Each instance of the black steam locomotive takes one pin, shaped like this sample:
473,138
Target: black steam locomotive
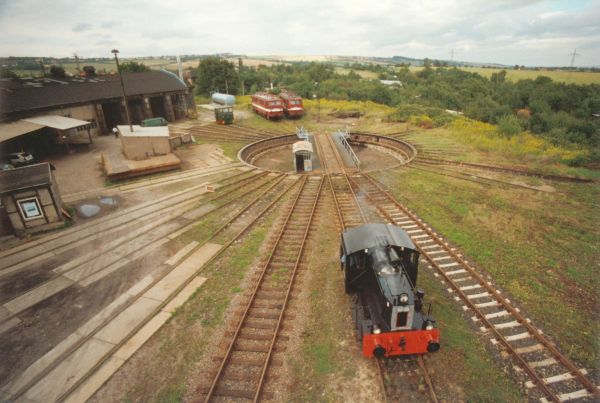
380,265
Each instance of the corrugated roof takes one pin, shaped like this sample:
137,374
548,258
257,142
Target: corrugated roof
19,95
18,128
57,122
25,177
302,146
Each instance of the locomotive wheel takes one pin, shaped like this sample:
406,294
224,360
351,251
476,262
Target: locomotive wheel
379,351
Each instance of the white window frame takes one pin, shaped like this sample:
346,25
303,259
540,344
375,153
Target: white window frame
37,204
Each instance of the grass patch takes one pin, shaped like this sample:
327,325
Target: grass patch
524,147
540,247
330,366
188,335
329,357
472,365
569,77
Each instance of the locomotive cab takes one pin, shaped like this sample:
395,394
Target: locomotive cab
380,265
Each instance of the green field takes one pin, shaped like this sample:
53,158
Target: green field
569,77
574,77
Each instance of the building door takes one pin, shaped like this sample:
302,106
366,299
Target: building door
157,105
112,115
299,163
136,111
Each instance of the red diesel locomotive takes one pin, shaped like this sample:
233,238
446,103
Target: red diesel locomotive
292,104
380,267
267,105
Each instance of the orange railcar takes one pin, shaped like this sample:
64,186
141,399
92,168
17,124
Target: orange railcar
292,104
267,105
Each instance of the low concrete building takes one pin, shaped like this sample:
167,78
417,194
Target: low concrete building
144,142
31,199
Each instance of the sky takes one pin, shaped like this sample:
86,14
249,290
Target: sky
524,32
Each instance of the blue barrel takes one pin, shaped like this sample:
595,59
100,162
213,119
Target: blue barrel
223,99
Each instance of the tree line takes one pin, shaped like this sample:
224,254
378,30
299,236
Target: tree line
562,113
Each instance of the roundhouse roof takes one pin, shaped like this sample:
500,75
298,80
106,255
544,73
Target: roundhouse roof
20,95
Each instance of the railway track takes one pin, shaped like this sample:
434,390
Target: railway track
437,160
348,209
399,377
550,372
414,383
244,368
37,378
38,249
89,267
230,133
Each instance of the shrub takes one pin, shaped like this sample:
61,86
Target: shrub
524,145
508,125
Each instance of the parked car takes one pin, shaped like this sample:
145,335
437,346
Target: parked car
21,158
5,167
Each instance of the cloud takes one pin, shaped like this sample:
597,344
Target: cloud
83,26
110,24
533,32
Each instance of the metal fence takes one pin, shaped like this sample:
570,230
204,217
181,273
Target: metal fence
302,133
343,136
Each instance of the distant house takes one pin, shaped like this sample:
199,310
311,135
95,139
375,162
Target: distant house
395,83
95,100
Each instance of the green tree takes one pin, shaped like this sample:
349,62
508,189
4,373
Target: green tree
353,75
215,74
7,73
134,67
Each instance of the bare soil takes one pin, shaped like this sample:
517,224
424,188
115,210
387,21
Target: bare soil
371,159
277,159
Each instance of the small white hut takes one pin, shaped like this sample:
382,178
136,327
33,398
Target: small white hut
303,152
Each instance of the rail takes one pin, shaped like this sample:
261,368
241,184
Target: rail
459,265
296,209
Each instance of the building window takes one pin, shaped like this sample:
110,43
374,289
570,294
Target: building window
30,208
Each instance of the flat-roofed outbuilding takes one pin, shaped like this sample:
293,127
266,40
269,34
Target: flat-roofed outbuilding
30,199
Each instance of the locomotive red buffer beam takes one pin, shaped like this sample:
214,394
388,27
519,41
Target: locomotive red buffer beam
401,343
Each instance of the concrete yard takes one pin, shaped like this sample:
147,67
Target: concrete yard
82,297
57,289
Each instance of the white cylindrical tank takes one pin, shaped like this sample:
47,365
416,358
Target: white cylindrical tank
223,99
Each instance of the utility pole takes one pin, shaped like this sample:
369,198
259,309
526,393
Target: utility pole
115,51
573,56
77,61
452,56
240,69
41,62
